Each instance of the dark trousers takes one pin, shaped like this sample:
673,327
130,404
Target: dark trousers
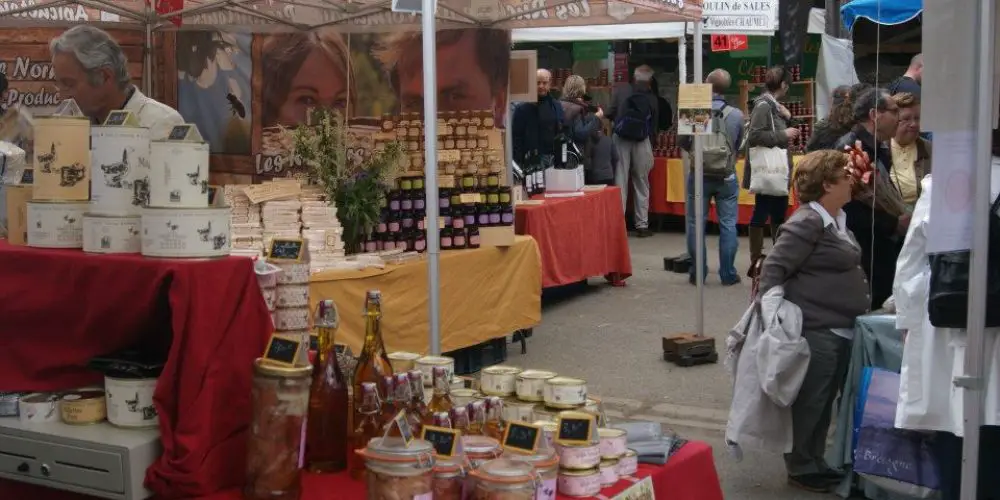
948,451
767,207
813,407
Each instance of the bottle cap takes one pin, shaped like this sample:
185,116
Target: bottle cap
326,314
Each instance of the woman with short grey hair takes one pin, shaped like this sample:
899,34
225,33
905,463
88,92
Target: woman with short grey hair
818,263
582,125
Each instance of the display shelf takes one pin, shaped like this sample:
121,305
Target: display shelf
808,88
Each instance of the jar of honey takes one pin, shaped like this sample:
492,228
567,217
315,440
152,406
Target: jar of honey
472,235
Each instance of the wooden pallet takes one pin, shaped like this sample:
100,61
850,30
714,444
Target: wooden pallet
689,350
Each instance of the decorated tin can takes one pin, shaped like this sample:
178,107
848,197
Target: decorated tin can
62,158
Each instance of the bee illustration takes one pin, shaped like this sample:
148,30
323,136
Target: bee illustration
206,232
171,226
218,241
38,224
48,159
193,176
204,188
236,106
68,219
114,172
71,175
175,196
133,231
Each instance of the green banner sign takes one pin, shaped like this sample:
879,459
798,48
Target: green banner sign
590,51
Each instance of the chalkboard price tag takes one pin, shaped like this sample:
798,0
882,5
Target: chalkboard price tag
282,351
521,437
445,441
405,431
286,249
575,428
119,118
28,176
186,132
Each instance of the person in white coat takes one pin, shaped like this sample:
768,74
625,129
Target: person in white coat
932,357
91,68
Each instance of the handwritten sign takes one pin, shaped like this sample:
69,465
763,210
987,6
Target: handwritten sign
272,191
179,133
28,176
119,118
403,425
522,437
575,428
445,441
282,350
286,249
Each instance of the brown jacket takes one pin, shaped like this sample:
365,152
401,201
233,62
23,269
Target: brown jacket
922,167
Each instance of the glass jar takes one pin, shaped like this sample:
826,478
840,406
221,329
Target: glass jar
507,216
505,479
446,238
446,217
380,242
470,215
280,399
370,244
458,220
482,216
458,238
444,198
398,471
406,202
472,237
505,197
418,183
449,480
421,244
480,449
494,215
492,196
546,464
405,183
456,197
468,182
419,201
395,198
493,180
394,223
406,220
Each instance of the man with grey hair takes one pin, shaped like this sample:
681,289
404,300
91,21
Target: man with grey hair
535,127
910,81
91,68
634,112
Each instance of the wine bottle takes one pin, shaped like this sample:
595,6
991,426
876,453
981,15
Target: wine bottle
441,400
373,362
326,425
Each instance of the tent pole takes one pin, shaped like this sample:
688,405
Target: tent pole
429,38
147,55
682,54
973,382
698,258
508,141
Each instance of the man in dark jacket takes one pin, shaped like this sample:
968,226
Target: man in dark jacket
535,126
879,232
634,113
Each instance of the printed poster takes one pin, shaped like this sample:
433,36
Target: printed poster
694,109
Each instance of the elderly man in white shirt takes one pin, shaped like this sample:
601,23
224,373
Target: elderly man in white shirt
91,68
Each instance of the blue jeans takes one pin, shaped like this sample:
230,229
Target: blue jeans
725,193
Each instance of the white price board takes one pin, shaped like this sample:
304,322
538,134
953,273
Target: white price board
740,17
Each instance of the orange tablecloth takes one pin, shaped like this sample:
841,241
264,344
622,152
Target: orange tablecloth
689,475
667,190
578,237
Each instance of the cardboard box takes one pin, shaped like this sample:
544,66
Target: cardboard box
17,214
559,180
497,236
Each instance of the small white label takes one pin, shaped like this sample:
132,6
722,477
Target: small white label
547,490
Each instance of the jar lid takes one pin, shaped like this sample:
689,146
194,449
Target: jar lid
609,462
565,381
465,393
480,445
547,425
502,370
536,374
448,466
630,453
262,367
506,471
394,449
579,472
607,432
543,458
435,360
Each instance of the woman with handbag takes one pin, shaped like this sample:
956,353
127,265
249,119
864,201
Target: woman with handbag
768,165
817,261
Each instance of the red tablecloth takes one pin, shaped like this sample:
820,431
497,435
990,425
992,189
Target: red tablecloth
59,308
578,237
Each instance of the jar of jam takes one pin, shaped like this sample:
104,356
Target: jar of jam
405,183
444,198
446,240
482,216
468,182
382,226
395,196
494,215
493,179
472,235
458,238
488,119
418,183
507,215
420,244
505,197
411,241
406,221
418,199
394,225
370,245
470,215
406,202
492,196
387,124
421,225
483,141
458,220
456,197
383,203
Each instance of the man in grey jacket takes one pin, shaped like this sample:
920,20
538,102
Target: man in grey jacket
634,112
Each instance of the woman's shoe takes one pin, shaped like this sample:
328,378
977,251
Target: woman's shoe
815,483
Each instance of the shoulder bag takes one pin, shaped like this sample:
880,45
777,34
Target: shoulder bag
768,166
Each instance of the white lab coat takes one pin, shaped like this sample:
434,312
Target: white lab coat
932,357
155,115
768,364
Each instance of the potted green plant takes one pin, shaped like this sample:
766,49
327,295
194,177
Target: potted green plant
357,188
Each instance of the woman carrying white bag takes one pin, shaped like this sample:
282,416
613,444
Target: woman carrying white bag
768,166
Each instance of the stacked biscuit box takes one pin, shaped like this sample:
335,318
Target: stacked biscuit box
281,220
248,233
321,229
291,301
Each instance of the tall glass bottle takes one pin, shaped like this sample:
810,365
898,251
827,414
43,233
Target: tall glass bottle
441,400
373,362
460,419
389,404
418,406
367,427
405,400
327,424
494,418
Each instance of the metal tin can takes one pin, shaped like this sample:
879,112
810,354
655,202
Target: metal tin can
530,384
499,380
565,392
580,483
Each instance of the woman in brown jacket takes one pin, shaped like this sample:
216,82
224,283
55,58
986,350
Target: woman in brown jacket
911,154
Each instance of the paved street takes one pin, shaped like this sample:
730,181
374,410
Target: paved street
612,338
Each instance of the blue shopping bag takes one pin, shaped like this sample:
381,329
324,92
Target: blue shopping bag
881,450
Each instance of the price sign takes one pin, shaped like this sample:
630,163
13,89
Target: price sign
720,43
286,249
179,133
521,437
400,422
119,118
445,441
282,350
575,428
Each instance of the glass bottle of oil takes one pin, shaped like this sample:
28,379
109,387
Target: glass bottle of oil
494,418
373,362
418,406
327,425
441,400
367,427
460,419
477,418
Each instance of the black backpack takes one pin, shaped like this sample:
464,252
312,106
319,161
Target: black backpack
635,122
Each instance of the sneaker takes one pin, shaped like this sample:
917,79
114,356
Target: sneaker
643,233
815,483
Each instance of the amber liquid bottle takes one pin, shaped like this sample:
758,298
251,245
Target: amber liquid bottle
477,418
494,418
367,428
441,400
373,363
327,426
417,405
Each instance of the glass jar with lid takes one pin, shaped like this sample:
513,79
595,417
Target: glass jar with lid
395,470
280,401
505,479
546,464
480,449
449,479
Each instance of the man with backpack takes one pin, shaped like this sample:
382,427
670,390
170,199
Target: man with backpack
634,113
719,151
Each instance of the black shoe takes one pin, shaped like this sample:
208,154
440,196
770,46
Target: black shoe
643,233
815,483
736,281
833,476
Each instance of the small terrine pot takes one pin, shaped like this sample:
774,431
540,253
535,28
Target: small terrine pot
580,483
614,442
499,380
565,392
579,457
530,384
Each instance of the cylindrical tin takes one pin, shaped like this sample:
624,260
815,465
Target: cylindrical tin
294,318
580,483
62,158
499,380
565,392
462,397
609,472
130,401
185,232
292,273
55,225
83,407
179,174
515,410
403,362
614,442
530,384
427,363
292,296
628,464
579,457
38,407
119,184
112,234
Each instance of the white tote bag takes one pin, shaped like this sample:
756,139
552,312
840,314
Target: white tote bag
768,168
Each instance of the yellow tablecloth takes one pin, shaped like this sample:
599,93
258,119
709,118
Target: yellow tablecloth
675,182
485,293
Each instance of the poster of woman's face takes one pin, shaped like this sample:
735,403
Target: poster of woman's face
303,71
